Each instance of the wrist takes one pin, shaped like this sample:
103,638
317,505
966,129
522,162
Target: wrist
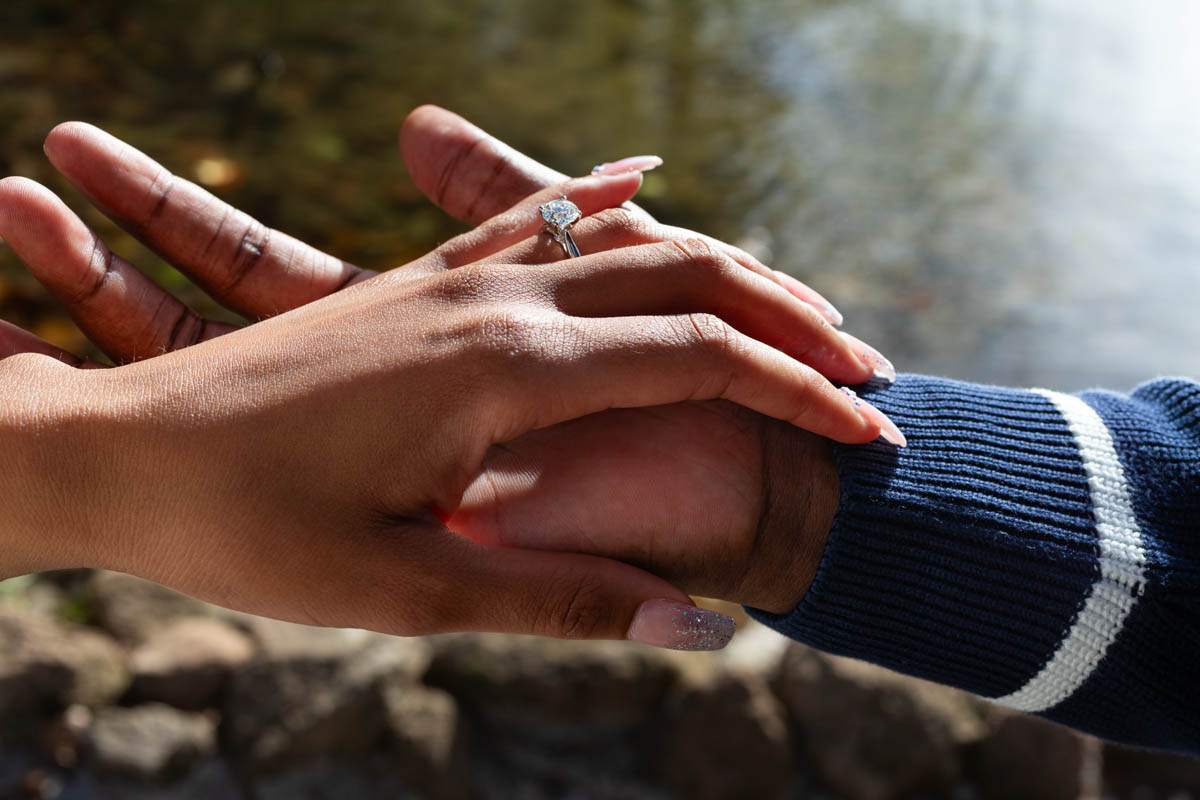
48,470
800,499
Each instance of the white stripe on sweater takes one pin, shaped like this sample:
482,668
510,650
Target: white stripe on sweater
1122,562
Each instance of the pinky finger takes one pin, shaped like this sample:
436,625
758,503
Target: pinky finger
126,314
802,291
634,362
799,290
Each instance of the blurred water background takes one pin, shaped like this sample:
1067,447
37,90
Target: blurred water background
998,190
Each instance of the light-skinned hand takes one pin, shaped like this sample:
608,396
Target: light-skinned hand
547,344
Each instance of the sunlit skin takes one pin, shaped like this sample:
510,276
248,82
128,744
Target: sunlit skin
682,490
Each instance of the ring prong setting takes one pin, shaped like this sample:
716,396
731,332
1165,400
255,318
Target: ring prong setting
559,215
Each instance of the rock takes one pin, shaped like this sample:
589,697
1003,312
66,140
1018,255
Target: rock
45,667
727,739
874,734
211,779
329,779
130,608
755,650
28,593
188,662
1027,757
43,784
150,742
1150,774
426,746
277,640
558,713
103,672
559,686
14,766
318,695
498,781
61,738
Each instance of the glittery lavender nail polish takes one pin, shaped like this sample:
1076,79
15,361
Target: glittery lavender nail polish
679,626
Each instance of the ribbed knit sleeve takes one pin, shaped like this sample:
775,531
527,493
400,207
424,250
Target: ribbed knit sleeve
1035,548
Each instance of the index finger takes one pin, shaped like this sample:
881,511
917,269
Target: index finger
467,172
473,176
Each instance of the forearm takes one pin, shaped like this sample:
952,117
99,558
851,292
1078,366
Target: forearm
1036,549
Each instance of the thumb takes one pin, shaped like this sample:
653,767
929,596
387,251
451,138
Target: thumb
572,596
436,581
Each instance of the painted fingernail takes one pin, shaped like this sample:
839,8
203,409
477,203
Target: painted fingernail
870,413
810,296
631,164
872,358
828,311
679,626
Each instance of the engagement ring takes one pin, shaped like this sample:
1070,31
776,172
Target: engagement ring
560,215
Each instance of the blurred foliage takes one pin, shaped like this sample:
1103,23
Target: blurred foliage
290,110
14,588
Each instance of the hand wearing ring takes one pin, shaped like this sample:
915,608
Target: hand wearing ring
560,215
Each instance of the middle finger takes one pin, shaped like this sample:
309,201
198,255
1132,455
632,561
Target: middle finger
691,276
619,226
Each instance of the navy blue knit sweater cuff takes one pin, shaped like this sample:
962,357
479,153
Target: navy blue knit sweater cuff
963,557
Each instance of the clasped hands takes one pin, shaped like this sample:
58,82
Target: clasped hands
487,438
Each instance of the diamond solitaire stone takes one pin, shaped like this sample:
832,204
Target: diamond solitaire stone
560,213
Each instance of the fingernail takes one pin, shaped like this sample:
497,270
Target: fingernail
829,312
631,164
872,358
679,626
810,296
870,413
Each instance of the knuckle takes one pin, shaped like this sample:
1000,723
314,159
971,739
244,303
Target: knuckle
805,401
209,254
802,407
161,187
489,283
698,251
619,219
101,266
518,349
711,264
577,611
187,330
249,251
516,337
458,287
713,336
